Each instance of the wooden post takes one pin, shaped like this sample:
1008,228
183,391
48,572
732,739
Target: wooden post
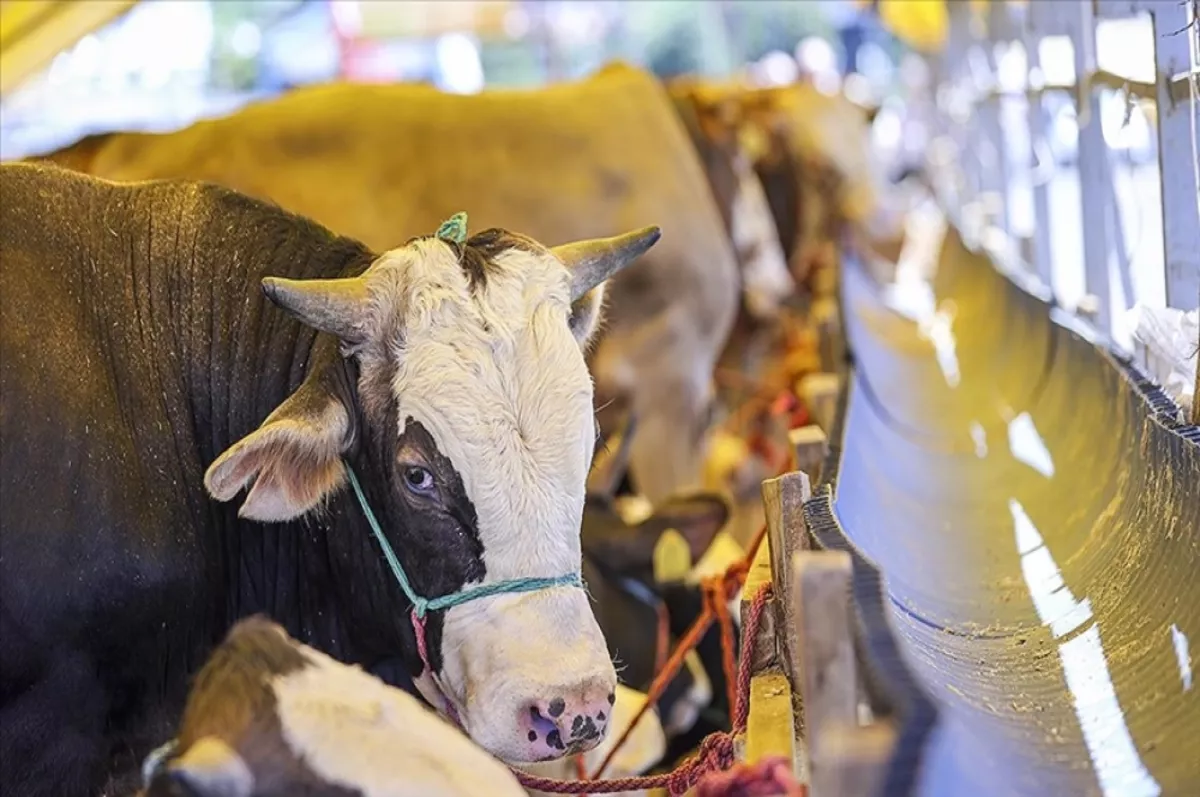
771,723
819,392
1196,393
783,498
764,650
851,761
810,446
828,675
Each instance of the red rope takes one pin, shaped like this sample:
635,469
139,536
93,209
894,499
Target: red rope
771,777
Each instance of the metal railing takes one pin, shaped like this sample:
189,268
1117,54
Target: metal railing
976,111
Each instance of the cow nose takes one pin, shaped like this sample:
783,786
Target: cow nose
565,725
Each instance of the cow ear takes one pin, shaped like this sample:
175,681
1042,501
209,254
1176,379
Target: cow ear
586,313
294,459
209,768
697,516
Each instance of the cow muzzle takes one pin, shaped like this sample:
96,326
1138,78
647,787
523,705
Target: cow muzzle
530,674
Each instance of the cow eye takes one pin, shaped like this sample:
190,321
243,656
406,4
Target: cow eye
418,480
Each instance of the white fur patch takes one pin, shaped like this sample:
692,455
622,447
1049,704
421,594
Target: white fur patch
354,730
687,709
500,383
766,280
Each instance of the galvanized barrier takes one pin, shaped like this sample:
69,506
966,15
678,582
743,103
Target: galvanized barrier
969,102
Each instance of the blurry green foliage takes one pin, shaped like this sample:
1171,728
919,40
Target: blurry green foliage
230,69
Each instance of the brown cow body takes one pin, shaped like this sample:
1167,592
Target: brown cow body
570,161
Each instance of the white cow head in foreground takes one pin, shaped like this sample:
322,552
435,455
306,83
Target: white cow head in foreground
269,717
460,396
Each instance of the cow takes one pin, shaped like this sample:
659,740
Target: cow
813,154
713,125
432,400
380,163
270,717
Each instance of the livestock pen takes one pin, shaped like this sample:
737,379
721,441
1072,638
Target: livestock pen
977,569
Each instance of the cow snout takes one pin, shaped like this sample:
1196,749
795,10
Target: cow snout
566,724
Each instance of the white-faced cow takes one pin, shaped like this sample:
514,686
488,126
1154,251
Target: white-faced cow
381,163
141,360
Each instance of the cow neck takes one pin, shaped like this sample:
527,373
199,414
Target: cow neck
246,357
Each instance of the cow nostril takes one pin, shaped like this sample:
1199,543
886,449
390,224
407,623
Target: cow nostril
584,728
539,724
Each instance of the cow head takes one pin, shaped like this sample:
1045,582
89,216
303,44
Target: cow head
465,407
824,141
270,717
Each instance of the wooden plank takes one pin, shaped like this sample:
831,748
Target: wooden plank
851,761
783,498
820,392
1196,397
828,674
764,651
810,446
770,726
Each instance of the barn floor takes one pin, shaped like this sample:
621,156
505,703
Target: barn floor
1036,515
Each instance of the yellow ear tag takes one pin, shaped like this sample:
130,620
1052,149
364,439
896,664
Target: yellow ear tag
672,557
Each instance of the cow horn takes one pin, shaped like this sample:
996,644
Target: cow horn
592,262
334,306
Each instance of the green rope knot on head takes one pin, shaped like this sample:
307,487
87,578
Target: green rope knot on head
423,605
454,228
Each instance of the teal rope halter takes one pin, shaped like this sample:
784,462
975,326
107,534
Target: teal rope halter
422,605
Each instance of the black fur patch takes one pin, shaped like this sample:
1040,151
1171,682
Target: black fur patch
478,254
436,537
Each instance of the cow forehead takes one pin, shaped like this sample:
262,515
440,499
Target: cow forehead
426,286
493,373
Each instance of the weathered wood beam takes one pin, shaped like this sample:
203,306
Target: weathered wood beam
810,446
764,649
828,672
784,498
